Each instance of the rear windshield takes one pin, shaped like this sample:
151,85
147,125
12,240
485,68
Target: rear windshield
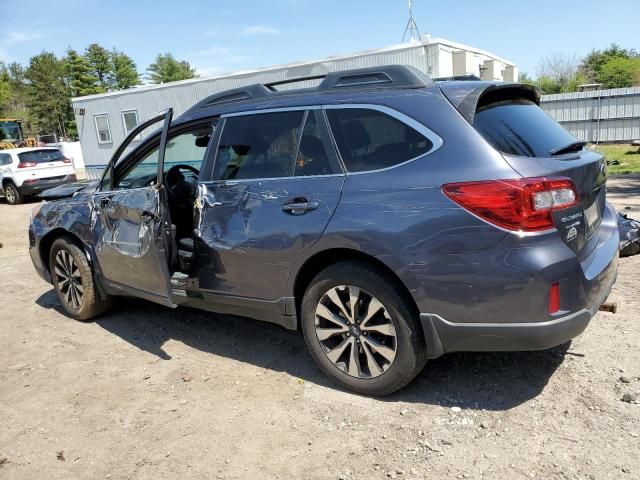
520,127
41,156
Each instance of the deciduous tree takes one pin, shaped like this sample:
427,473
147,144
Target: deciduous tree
47,94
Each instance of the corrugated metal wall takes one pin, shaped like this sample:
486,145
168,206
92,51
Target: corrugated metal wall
182,95
602,115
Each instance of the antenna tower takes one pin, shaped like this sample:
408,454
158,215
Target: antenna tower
412,26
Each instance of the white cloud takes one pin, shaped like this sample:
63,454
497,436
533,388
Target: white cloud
14,37
216,59
259,30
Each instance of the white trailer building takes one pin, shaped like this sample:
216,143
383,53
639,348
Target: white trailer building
104,120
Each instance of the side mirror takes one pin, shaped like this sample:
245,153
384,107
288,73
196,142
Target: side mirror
203,141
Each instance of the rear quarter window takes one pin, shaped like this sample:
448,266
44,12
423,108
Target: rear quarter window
370,140
41,156
520,127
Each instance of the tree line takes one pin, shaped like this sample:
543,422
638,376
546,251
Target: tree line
40,93
612,67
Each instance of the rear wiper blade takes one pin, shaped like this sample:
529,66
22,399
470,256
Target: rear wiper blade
572,147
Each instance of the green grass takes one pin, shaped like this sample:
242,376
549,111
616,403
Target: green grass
627,155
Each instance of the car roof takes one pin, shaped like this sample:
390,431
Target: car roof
27,149
336,86
365,85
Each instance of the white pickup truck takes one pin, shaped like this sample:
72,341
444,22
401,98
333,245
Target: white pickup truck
27,171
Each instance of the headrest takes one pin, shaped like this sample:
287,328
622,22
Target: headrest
311,146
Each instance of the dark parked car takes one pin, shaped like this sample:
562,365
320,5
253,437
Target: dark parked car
391,218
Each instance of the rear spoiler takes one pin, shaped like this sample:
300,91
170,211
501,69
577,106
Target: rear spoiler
468,96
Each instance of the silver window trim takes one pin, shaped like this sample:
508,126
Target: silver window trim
270,110
434,138
95,122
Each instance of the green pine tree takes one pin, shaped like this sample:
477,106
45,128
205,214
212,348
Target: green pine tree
168,69
78,75
99,61
125,73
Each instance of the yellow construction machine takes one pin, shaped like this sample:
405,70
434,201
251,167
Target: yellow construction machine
12,136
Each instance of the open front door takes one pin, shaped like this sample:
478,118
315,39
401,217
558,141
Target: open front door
129,221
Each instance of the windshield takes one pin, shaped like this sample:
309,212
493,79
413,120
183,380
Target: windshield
41,156
520,127
10,130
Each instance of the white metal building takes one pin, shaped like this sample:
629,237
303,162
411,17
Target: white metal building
103,120
611,115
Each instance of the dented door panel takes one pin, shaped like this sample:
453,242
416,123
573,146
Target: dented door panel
129,241
247,241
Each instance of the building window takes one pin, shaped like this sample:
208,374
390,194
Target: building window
130,121
102,128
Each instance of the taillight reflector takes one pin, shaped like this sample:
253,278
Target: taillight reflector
66,160
554,298
523,204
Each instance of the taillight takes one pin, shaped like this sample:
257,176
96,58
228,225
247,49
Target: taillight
523,204
66,160
27,164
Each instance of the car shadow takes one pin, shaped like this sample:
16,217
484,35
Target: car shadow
491,381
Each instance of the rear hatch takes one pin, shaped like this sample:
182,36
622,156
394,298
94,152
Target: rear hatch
508,116
45,165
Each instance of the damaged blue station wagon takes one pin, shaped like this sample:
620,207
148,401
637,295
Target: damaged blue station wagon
389,217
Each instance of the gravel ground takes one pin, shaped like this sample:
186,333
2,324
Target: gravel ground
145,392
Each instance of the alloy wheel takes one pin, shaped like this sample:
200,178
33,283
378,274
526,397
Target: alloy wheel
10,194
68,279
356,331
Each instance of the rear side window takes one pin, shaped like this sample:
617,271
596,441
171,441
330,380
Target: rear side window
5,159
520,127
41,156
314,157
258,146
370,140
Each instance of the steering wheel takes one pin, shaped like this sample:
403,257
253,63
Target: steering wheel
182,192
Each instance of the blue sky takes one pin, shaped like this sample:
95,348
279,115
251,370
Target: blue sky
221,36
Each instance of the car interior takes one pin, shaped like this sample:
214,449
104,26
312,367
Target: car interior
184,155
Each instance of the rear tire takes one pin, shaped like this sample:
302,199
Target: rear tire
73,281
12,194
370,353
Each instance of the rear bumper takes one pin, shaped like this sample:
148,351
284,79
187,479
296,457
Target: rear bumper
443,336
44,184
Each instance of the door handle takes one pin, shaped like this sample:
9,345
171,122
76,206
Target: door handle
299,208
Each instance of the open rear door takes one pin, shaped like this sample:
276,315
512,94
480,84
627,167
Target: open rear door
131,231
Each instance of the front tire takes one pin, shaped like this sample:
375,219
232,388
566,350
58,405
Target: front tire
73,281
12,194
361,329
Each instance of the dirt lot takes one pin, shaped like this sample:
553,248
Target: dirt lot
146,393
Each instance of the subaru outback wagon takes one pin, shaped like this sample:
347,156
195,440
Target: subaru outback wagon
390,218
